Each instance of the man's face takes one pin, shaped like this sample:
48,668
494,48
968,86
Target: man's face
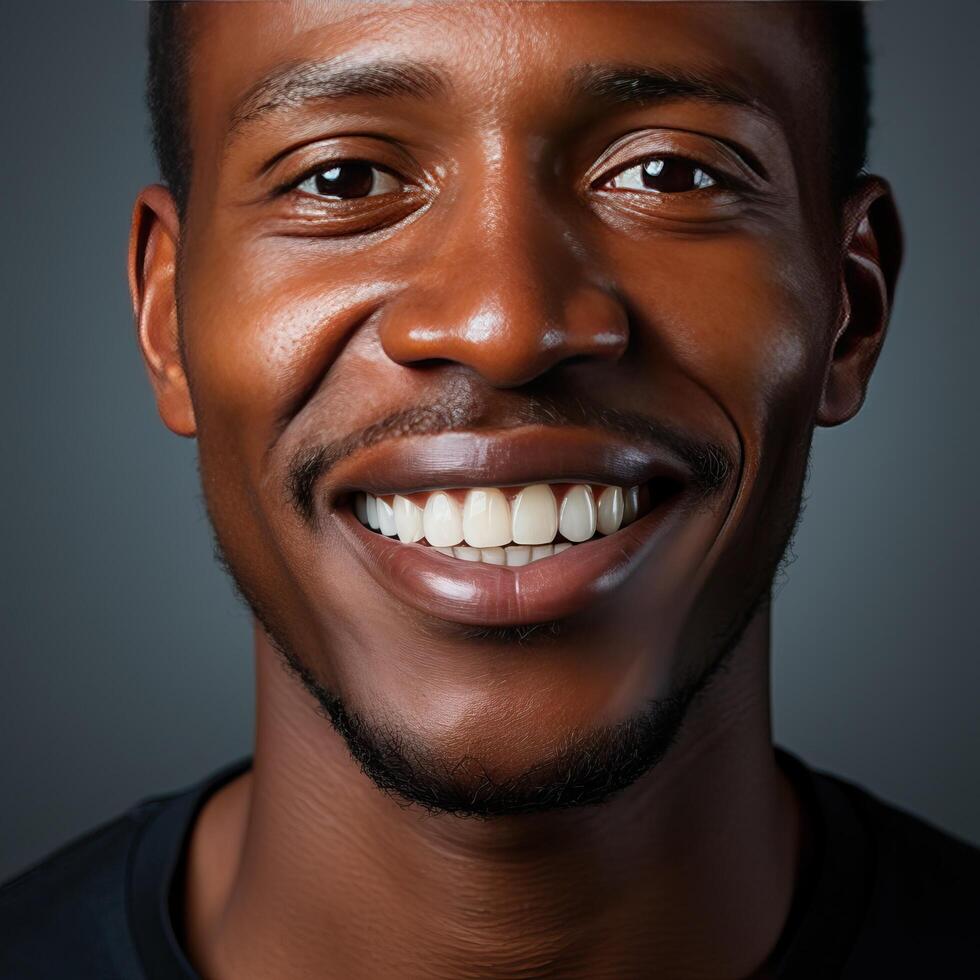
556,244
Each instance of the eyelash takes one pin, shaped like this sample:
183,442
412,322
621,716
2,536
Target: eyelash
708,176
716,180
330,164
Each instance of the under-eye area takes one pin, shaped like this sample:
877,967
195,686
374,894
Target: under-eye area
511,525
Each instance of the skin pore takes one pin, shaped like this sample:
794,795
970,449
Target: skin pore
516,300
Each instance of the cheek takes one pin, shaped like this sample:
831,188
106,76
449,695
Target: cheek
258,347
739,325
742,318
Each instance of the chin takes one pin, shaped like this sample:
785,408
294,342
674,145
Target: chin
508,757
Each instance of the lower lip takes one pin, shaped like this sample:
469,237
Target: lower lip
478,594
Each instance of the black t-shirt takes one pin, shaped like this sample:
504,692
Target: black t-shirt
887,895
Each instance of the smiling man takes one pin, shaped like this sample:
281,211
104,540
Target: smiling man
503,329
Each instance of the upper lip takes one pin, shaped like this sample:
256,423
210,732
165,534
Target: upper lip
502,457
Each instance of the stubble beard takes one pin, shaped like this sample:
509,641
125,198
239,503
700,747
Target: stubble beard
588,769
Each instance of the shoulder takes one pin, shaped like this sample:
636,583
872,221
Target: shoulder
924,894
66,915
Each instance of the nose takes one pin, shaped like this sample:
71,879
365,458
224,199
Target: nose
508,293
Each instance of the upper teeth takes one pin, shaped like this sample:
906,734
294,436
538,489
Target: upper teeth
491,518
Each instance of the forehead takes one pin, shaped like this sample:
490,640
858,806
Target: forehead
502,58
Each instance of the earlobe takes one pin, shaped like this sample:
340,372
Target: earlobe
871,255
153,240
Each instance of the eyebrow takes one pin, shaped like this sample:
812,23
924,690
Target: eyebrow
637,85
614,85
296,84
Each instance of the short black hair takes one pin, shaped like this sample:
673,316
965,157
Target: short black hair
844,37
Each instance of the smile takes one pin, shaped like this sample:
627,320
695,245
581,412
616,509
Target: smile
521,526
510,526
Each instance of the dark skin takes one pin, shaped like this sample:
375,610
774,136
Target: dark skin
500,264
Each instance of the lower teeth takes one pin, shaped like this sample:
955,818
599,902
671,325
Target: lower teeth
512,555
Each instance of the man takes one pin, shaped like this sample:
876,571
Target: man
503,329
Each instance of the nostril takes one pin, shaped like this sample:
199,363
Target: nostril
510,338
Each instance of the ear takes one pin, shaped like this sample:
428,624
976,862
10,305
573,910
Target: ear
153,240
871,254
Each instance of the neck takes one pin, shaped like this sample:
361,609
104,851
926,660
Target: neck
302,868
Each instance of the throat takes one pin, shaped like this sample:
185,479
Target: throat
306,870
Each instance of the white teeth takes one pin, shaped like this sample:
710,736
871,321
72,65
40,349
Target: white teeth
386,519
577,521
513,556
442,520
480,529
631,504
486,519
609,510
534,515
517,554
408,520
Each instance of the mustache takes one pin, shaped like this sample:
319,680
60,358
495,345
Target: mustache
710,464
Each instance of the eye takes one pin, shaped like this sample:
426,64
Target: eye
350,179
664,175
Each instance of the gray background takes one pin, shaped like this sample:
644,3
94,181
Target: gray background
126,665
